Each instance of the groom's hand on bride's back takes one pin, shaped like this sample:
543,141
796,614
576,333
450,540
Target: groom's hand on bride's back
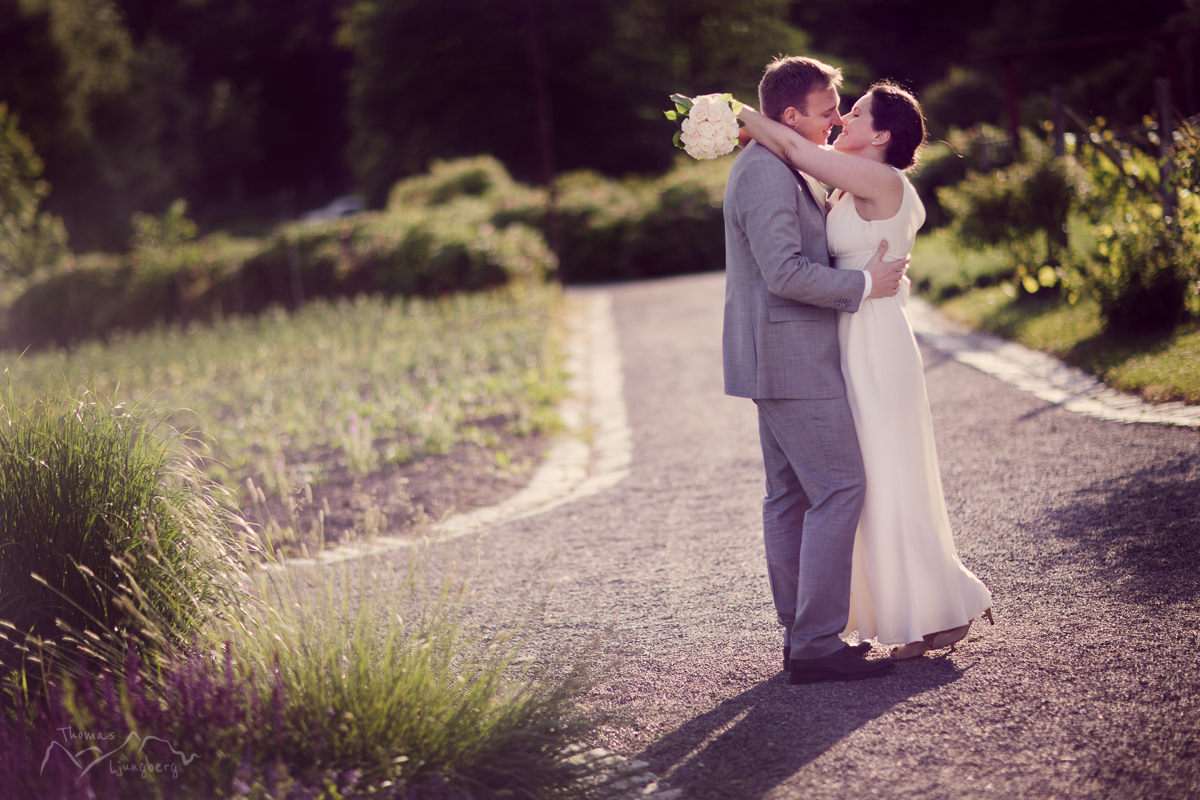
885,275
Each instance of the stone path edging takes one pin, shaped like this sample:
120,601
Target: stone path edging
593,455
1041,375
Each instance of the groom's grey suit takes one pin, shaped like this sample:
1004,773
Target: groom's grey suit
781,349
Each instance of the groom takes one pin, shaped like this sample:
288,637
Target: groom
781,349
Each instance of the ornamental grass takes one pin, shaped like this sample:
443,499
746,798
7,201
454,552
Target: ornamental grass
347,688
110,536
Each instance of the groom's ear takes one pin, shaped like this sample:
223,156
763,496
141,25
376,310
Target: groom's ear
790,115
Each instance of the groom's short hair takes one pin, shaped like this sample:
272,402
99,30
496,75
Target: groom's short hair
789,80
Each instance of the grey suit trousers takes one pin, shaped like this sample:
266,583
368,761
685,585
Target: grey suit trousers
780,348
815,489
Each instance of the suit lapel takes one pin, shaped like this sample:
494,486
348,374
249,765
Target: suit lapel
817,193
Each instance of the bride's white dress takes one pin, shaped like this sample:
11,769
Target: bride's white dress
907,579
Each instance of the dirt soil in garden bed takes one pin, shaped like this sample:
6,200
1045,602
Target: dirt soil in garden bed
401,499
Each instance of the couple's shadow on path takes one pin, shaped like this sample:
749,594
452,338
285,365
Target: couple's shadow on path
1144,526
751,743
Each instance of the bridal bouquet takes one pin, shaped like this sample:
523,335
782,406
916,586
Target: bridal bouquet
710,124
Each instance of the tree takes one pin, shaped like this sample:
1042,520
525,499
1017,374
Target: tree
940,47
444,78
238,105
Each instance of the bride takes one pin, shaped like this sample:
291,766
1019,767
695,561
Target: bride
908,587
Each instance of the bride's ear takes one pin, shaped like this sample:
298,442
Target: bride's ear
881,138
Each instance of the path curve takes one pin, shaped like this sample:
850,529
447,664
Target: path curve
1084,529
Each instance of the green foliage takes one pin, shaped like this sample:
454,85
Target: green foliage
963,99
1145,264
464,226
111,536
1140,276
482,177
442,95
437,237
947,162
135,102
164,233
634,228
1020,209
29,239
418,694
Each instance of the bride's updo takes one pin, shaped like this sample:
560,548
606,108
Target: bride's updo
895,110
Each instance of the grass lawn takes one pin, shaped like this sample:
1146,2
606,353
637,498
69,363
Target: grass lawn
1160,368
282,406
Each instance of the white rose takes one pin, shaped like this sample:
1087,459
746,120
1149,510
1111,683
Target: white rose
710,129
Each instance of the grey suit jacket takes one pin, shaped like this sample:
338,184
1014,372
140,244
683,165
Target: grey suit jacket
780,336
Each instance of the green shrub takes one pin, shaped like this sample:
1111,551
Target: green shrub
29,239
481,177
962,98
1139,276
1146,266
463,227
634,228
940,165
449,247
947,162
109,535
1020,210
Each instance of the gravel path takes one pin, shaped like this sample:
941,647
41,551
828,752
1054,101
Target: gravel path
1087,532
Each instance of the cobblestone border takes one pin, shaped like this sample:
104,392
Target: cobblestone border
593,455
614,777
1041,375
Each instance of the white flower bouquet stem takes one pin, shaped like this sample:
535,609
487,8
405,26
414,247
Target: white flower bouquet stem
710,124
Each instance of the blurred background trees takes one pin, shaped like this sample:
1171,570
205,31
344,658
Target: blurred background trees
255,110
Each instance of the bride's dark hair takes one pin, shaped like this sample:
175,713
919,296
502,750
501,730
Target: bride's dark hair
895,110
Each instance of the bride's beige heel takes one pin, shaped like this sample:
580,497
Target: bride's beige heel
943,639
911,650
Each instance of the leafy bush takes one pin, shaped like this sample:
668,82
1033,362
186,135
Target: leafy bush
962,98
464,226
947,162
1140,274
1020,210
481,177
110,537
1145,263
634,228
29,239
445,245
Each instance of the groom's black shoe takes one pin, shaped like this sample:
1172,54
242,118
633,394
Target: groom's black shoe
840,665
860,649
